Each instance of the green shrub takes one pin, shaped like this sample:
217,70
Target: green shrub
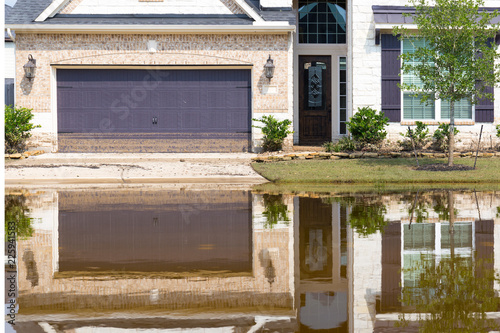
17,128
367,127
420,137
442,136
329,147
498,130
275,132
344,144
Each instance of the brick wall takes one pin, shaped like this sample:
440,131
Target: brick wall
51,50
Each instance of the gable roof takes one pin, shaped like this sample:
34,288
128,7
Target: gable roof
25,11
28,14
57,5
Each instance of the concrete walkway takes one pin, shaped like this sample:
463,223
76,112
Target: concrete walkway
59,168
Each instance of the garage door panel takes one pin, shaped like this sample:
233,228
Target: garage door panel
168,120
188,78
216,99
125,121
142,120
113,99
194,110
70,98
71,121
95,120
191,120
238,121
164,99
237,99
189,99
216,120
92,99
138,95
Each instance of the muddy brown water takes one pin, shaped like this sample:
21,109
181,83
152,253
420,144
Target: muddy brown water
233,260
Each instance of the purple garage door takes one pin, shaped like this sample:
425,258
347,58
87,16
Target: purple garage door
131,110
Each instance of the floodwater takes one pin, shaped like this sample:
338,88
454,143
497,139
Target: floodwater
237,260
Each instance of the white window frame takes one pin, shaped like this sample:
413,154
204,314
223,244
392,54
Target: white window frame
437,106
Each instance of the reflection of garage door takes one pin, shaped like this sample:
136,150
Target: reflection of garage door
128,110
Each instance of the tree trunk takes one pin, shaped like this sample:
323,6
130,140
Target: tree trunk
451,137
451,229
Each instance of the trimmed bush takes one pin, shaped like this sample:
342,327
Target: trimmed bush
442,136
275,132
17,128
344,144
420,136
367,127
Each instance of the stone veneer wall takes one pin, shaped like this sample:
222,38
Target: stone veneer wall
131,49
365,74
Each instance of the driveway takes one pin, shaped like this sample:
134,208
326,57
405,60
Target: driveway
60,168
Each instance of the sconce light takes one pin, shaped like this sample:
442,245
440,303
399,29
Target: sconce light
29,68
269,68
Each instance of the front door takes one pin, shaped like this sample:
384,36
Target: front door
315,100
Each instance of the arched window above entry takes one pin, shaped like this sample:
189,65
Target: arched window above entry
322,22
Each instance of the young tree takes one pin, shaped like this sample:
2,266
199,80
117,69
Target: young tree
458,53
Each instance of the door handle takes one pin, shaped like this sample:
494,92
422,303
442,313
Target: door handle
155,121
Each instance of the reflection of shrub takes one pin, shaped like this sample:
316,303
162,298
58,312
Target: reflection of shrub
17,212
17,128
275,210
367,214
367,127
368,219
419,134
275,132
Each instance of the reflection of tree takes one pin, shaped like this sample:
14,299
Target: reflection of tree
367,213
16,211
442,205
451,296
275,210
455,294
368,219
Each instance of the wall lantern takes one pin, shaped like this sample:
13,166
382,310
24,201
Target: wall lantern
269,68
29,68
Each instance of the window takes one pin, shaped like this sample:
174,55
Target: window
322,22
413,109
342,95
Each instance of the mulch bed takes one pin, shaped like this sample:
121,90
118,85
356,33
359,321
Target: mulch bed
444,167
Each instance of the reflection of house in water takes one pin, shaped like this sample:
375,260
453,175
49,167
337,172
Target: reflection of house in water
321,266
184,258
192,258
152,253
406,248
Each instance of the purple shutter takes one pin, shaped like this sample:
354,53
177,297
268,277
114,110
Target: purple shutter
391,94
484,107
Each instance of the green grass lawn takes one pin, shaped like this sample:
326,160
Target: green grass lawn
377,171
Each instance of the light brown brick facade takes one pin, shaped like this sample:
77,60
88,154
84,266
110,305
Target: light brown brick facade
53,50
